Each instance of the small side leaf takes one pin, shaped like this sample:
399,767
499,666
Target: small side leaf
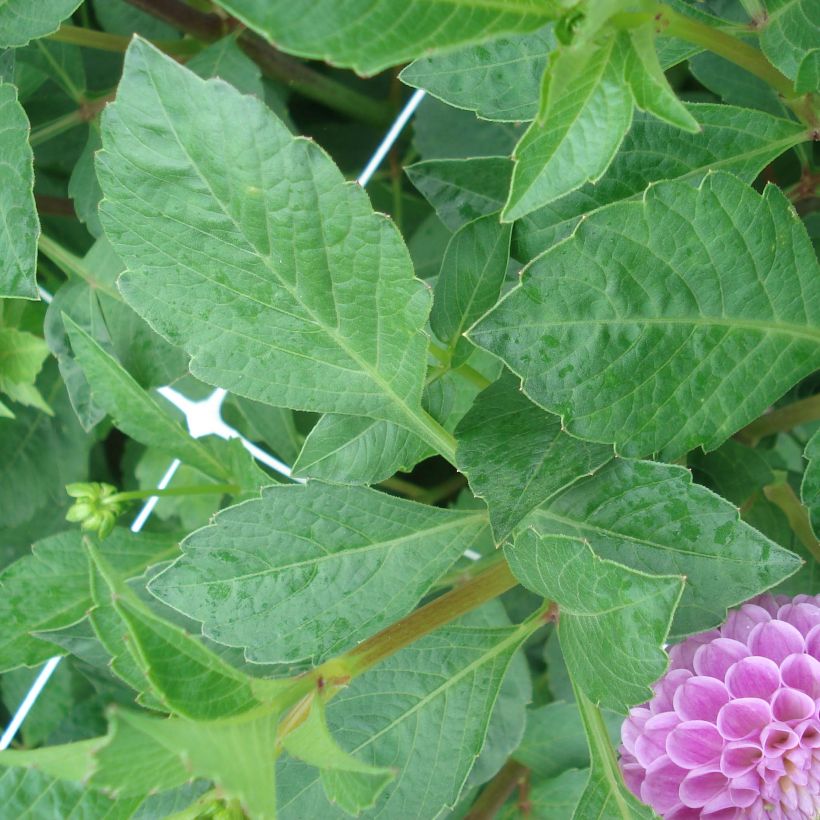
612,620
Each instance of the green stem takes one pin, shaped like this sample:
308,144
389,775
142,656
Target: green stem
464,370
784,497
441,491
442,441
72,265
781,420
337,672
197,489
103,41
52,129
405,488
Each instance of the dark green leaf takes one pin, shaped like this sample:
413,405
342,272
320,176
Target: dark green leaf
791,32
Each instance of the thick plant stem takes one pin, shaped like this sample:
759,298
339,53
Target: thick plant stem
72,265
784,497
85,113
337,672
496,792
287,70
198,489
781,420
103,41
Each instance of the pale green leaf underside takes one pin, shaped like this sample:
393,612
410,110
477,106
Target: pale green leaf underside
516,456
790,33
369,37
652,517
306,572
499,80
732,139
425,711
612,619
19,226
246,247
24,20
668,323
21,358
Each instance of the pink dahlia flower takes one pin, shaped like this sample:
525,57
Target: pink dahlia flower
733,729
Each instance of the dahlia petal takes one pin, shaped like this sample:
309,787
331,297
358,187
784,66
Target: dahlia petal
713,659
813,642
743,718
701,786
792,705
665,689
776,640
661,785
777,739
693,744
632,727
681,656
802,672
700,698
744,790
809,734
753,677
633,775
681,812
652,743
802,616
740,622
740,757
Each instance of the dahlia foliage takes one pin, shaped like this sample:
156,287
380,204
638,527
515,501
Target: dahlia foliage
733,728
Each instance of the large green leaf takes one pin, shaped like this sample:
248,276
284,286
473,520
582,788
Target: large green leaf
653,518
19,226
22,20
645,329
605,796
732,139
462,190
21,358
369,37
499,80
585,111
50,588
331,322
612,620
424,711
516,456
791,31
551,799
306,572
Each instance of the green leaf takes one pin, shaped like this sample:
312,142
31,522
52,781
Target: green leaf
330,323
605,796
810,488
736,140
652,517
613,620
734,471
190,679
49,589
21,358
20,21
553,799
650,88
226,60
19,226
499,80
470,280
83,186
425,711
516,456
585,111
462,190
347,781
791,32
640,341
807,80
275,426
343,33
555,739
140,416
29,794
278,575
61,62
